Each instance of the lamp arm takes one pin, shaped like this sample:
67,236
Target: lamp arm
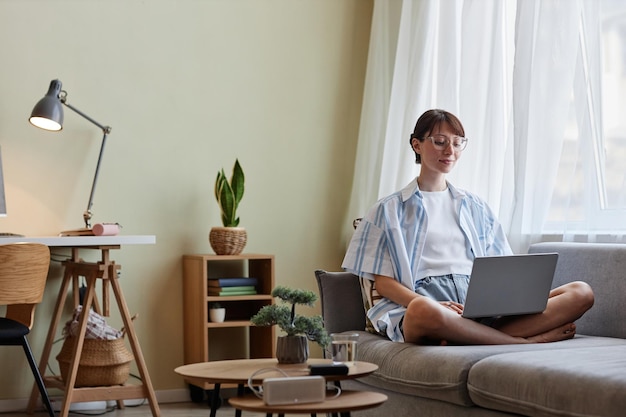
105,130
87,213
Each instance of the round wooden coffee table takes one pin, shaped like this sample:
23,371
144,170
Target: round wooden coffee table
346,402
238,372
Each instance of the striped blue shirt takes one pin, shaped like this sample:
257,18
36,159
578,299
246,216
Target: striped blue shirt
390,239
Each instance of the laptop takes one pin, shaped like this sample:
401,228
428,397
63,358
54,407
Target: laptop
509,285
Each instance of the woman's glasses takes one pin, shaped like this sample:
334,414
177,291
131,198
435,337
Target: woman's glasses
441,142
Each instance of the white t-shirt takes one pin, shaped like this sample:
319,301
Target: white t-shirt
445,250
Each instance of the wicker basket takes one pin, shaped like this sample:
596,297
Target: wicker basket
102,362
228,240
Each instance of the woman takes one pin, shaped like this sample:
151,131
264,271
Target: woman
418,245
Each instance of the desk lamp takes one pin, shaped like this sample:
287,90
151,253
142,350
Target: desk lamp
48,114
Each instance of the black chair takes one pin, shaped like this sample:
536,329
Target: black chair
23,274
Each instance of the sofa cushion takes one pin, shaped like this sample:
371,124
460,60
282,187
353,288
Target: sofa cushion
559,382
441,372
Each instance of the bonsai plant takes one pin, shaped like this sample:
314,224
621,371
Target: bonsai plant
230,239
293,346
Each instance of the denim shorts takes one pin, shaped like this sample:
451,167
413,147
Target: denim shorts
451,287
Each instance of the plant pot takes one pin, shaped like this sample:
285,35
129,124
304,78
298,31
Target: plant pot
228,240
292,349
217,314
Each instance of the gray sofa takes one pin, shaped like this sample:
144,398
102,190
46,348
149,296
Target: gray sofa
584,376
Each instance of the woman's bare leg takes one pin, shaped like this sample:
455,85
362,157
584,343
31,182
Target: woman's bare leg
566,304
427,319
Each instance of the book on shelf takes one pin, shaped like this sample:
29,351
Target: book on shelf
232,282
217,292
246,288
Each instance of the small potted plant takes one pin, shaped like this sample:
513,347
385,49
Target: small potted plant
216,312
293,346
229,239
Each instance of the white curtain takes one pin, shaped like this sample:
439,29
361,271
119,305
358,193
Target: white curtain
454,55
546,49
375,109
508,69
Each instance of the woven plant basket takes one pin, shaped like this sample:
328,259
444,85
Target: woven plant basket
102,362
228,240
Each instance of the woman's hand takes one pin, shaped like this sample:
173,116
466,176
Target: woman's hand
451,305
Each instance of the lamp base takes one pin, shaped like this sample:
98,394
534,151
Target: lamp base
78,232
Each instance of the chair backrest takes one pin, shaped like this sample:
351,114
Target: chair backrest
341,301
23,273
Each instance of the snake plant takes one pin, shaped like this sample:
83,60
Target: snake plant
229,194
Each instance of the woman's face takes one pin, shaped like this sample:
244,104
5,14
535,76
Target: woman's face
437,159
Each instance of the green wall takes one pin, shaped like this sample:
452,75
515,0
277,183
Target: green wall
188,86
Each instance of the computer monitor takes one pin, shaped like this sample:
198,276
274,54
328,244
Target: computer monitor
3,201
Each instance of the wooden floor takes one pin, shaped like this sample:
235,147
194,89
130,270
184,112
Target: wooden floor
187,409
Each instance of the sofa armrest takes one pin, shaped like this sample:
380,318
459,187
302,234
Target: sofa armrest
603,267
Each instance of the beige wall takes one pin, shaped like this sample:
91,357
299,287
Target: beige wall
188,86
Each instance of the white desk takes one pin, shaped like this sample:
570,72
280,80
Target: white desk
83,241
106,270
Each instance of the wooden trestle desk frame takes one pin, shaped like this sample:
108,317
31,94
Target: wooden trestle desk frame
106,270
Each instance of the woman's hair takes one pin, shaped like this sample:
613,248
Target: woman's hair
429,122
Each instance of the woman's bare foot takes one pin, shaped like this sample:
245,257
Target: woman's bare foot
564,332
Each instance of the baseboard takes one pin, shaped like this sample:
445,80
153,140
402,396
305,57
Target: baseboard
163,397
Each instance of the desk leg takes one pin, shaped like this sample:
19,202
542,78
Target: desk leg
134,342
78,346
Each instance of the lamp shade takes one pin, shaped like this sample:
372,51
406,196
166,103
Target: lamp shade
48,112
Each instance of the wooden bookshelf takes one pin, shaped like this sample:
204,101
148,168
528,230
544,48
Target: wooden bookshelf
236,337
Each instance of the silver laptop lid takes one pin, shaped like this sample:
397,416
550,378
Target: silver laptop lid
510,285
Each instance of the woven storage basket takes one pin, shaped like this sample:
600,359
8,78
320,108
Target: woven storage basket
228,240
102,362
